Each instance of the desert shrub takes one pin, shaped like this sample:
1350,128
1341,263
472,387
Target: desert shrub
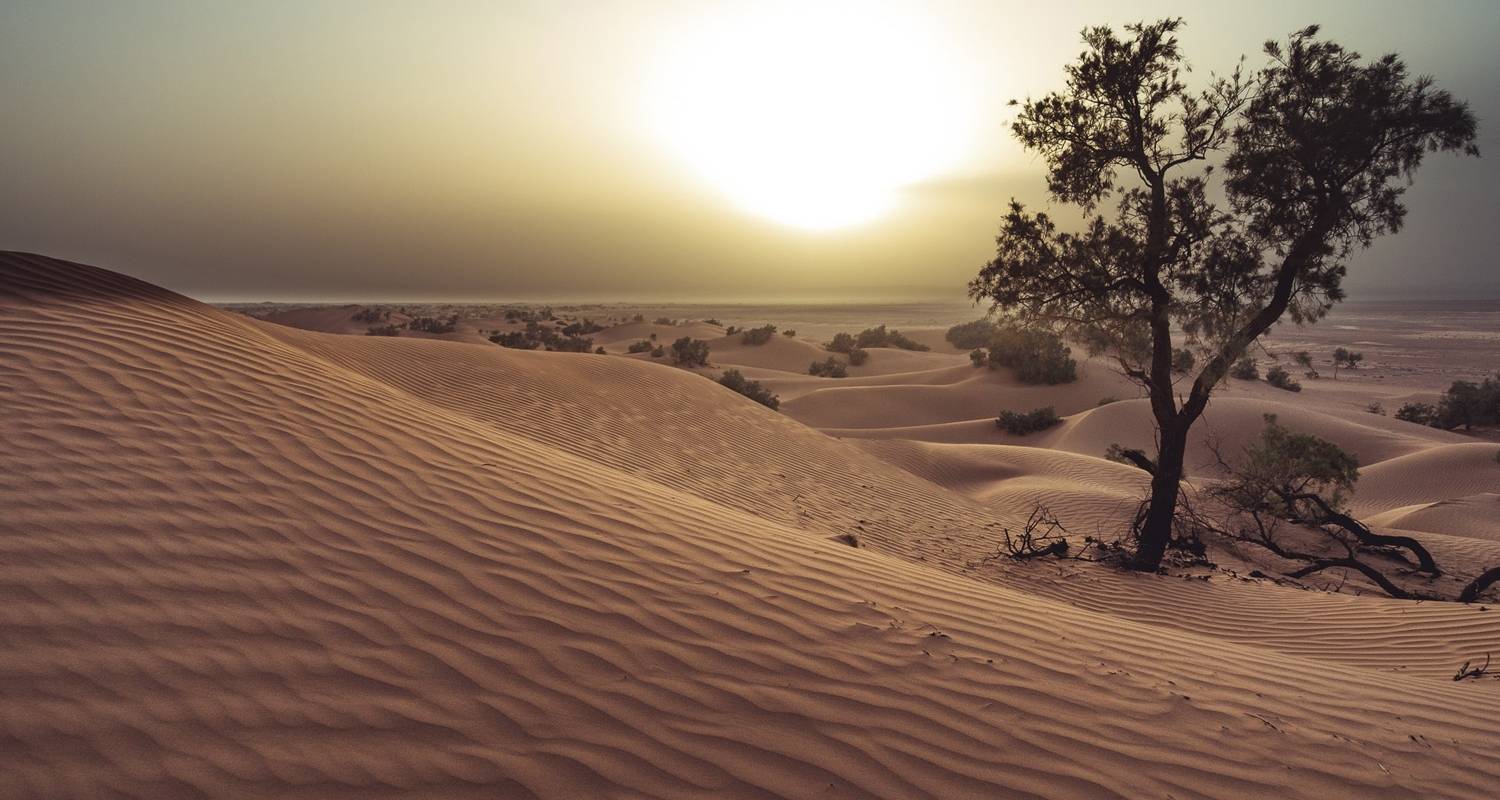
1376,408
1280,468
383,330
832,368
1420,413
971,335
638,318
880,337
569,344
1183,360
599,351
1467,404
1245,369
1281,379
433,324
690,352
858,357
371,315
731,330
734,380
789,333
758,336
658,351
842,343
978,356
581,328
639,347
665,321
711,321
517,340
1020,424
1304,360
1345,358
1037,356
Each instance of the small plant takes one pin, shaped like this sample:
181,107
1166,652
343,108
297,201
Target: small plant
658,351
789,333
599,351
1375,408
1041,535
858,357
1281,379
690,352
1245,369
639,347
758,336
978,356
731,330
1020,424
1183,361
1420,413
831,368
1346,359
734,380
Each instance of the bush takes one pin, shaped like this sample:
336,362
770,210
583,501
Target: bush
789,333
516,340
658,351
1345,358
1019,424
638,318
1183,361
832,368
971,335
1304,360
734,380
666,321
1281,379
1245,369
711,321
880,337
639,347
569,344
433,324
731,330
842,343
581,328
690,352
858,357
1467,404
383,330
1376,408
758,336
599,351
371,315
1038,357
1420,413
978,356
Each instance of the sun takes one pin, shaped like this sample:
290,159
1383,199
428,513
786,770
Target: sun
814,117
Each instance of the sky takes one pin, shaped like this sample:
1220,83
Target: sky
631,151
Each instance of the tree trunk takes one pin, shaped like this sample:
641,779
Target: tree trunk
1166,482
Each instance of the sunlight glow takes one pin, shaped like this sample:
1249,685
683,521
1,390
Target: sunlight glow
814,117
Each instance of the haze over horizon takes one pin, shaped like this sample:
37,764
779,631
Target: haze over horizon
623,151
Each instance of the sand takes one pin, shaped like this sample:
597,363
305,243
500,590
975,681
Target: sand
246,560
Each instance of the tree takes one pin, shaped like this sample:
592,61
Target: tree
1304,360
1348,359
690,352
1314,145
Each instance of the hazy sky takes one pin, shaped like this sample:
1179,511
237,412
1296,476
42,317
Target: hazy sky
627,150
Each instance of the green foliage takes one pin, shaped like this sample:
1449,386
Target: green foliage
1245,369
1037,356
880,337
1020,424
971,335
842,343
758,336
1281,379
690,352
831,368
736,381
1282,464
1420,413
1183,361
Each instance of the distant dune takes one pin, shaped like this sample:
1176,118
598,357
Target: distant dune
242,559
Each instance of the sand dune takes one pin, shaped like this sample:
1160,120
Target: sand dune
242,560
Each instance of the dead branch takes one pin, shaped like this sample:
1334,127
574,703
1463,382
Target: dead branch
1467,671
1478,585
